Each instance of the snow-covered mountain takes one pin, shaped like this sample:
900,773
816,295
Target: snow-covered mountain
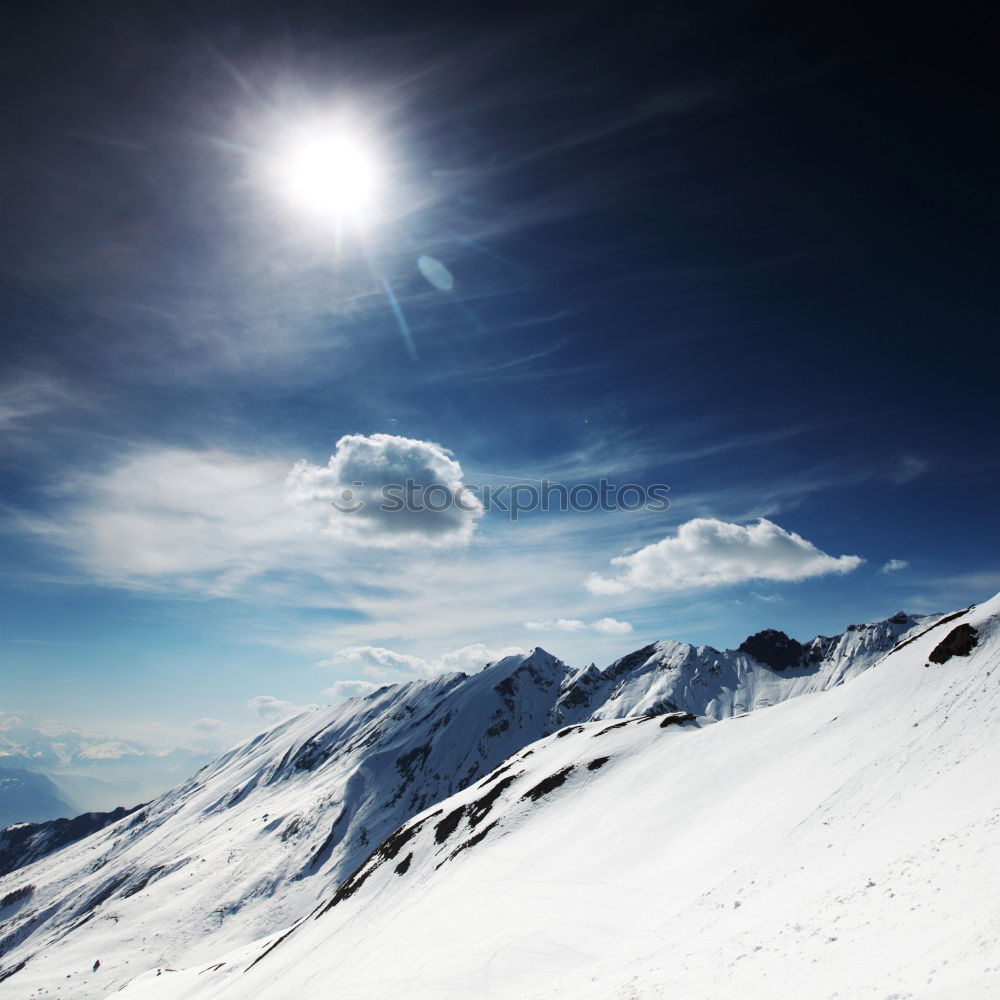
841,845
23,843
260,837
674,676
29,797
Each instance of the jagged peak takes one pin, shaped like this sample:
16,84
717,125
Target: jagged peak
773,648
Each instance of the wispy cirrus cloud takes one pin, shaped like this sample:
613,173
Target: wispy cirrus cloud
29,396
212,520
906,468
207,725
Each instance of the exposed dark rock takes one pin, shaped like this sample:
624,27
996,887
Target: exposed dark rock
774,648
625,722
937,624
446,827
310,756
20,845
676,719
411,761
548,784
292,828
478,810
630,662
960,641
575,697
404,866
18,894
615,725
493,775
494,731
104,893
143,881
597,762
386,851
471,842
7,973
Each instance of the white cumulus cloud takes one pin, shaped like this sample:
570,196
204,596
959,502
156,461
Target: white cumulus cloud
558,625
340,691
612,626
894,565
471,658
377,661
609,626
274,709
387,664
706,552
390,491
213,520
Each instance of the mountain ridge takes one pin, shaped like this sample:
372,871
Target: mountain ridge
739,870
257,837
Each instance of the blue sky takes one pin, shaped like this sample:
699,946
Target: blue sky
743,256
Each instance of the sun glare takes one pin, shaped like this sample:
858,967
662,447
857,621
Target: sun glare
332,175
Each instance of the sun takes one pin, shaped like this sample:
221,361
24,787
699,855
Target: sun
330,174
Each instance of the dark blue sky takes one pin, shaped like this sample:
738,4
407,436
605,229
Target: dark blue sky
744,251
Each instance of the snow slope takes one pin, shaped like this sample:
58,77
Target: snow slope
254,840
22,843
842,844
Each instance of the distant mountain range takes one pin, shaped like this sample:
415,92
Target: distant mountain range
29,797
274,828
49,770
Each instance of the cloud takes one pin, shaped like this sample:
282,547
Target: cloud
894,565
609,626
906,468
274,709
377,661
473,657
30,396
340,691
707,552
207,725
368,481
559,625
387,664
213,519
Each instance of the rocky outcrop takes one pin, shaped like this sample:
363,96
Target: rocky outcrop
777,650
